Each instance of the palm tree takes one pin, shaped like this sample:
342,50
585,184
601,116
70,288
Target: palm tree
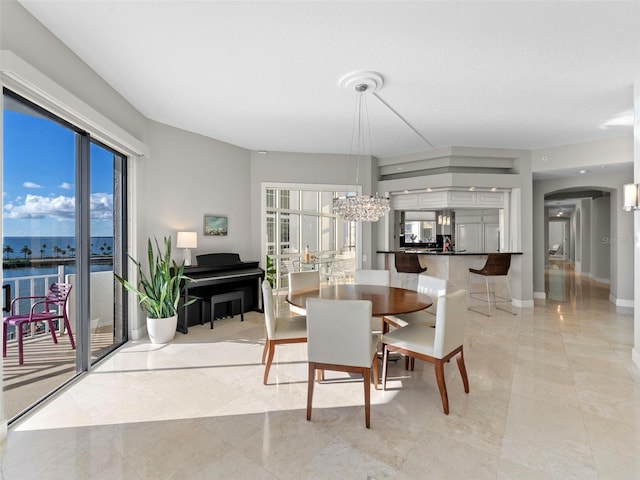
26,250
56,250
7,250
44,249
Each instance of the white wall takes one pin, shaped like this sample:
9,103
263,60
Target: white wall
600,239
585,236
188,176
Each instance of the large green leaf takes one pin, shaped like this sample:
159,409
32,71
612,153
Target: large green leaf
158,290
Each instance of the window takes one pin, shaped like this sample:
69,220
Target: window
303,218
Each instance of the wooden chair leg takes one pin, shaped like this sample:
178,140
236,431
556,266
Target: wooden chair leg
265,350
442,386
310,382
367,397
385,365
375,370
463,371
272,348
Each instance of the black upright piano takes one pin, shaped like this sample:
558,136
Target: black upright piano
217,273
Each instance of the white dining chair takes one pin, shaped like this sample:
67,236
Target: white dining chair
280,330
433,287
302,281
372,277
340,338
435,345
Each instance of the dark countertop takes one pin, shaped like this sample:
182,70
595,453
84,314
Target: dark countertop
438,252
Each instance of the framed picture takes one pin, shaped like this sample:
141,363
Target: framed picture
215,225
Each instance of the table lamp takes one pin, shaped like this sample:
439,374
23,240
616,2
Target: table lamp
187,240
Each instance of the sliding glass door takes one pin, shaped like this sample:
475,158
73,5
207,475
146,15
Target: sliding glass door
52,172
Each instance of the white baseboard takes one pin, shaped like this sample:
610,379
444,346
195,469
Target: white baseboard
635,356
540,295
522,303
139,333
601,280
621,302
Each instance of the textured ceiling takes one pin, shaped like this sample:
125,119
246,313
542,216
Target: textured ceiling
264,75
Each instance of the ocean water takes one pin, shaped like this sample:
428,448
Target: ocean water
42,247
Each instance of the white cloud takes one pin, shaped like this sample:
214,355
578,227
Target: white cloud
66,186
28,184
101,206
60,207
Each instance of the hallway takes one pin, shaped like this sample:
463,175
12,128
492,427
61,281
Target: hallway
553,395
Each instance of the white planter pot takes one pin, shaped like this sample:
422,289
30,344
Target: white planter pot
162,330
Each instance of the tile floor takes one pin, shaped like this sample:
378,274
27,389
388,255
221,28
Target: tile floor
554,395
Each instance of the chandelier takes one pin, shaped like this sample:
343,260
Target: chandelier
361,208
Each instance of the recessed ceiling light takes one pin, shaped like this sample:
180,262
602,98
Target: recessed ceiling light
471,189
582,171
493,189
406,191
262,152
428,189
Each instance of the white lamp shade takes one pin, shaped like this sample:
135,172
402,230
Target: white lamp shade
187,240
630,196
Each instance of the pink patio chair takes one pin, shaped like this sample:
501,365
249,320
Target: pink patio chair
44,309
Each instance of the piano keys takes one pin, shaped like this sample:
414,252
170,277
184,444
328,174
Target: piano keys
217,273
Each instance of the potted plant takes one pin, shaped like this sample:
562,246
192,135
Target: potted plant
159,291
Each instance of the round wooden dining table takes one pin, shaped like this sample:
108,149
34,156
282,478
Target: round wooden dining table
384,300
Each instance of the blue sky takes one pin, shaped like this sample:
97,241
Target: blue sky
39,179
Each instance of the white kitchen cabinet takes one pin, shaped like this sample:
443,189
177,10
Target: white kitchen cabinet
469,237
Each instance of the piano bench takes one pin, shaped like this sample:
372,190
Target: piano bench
226,297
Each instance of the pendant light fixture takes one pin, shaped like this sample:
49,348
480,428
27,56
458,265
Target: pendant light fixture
361,208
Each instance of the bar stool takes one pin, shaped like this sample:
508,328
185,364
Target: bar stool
497,265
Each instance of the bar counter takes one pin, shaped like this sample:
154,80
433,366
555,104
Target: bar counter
454,266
